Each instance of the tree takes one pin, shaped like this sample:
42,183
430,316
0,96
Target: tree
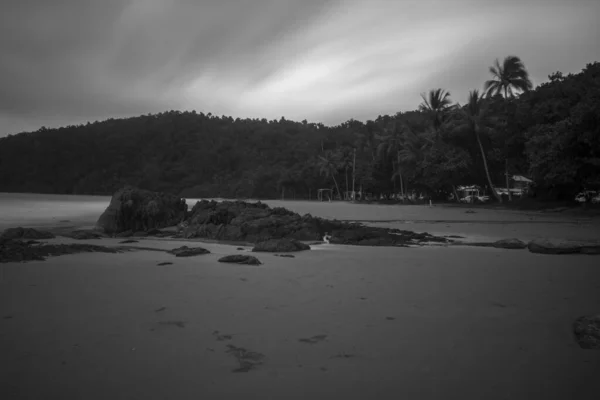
507,78
328,167
390,149
474,119
436,105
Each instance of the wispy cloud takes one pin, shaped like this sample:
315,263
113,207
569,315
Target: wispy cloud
328,61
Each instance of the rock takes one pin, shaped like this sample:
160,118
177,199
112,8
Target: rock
185,251
240,259
509,244
128,241
25,233
135,209
280,246
256,223
587,331
544,246
286,255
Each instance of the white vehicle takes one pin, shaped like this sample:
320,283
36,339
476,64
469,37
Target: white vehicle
596,199
583,197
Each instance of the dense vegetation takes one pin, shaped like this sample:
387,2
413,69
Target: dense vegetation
549,133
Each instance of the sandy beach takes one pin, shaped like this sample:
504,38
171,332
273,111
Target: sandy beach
336,322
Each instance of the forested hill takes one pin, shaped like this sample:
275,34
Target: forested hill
551,134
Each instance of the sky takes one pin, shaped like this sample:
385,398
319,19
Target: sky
66,62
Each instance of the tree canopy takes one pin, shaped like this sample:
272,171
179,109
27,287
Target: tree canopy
549,133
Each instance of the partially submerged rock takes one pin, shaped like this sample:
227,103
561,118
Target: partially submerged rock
280,246
133,209
25,233
587,331
240,259
545,246
185,251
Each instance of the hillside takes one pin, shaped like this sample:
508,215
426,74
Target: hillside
550,133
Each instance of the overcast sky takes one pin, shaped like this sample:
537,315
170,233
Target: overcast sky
69,61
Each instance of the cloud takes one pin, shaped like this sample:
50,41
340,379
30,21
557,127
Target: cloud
69,61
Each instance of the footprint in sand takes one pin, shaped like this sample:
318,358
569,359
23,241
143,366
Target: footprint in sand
221,337
313,340
248,360
179,324
160,309
390,318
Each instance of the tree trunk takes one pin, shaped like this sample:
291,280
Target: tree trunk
336,185
455,194
400,175
507,181
346,179
487,171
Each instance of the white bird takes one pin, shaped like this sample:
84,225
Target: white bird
326,238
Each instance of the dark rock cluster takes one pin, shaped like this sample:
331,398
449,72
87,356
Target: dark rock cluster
258,223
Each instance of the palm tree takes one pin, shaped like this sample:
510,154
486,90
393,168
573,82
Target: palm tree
474,120
390,147
507,78
436,105
328,167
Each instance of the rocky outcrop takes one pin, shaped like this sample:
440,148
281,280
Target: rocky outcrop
256,223
133,209
544,246
587,331
25,233
240,259
280,246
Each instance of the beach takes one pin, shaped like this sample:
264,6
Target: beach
335,322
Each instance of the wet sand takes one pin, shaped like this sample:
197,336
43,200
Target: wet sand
336,322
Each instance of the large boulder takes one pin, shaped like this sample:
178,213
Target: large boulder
133,209
280,246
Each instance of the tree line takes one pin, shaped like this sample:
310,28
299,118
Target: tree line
549,133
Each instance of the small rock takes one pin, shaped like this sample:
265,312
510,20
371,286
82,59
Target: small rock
280,245
510,244
185,251
129,241
240,259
